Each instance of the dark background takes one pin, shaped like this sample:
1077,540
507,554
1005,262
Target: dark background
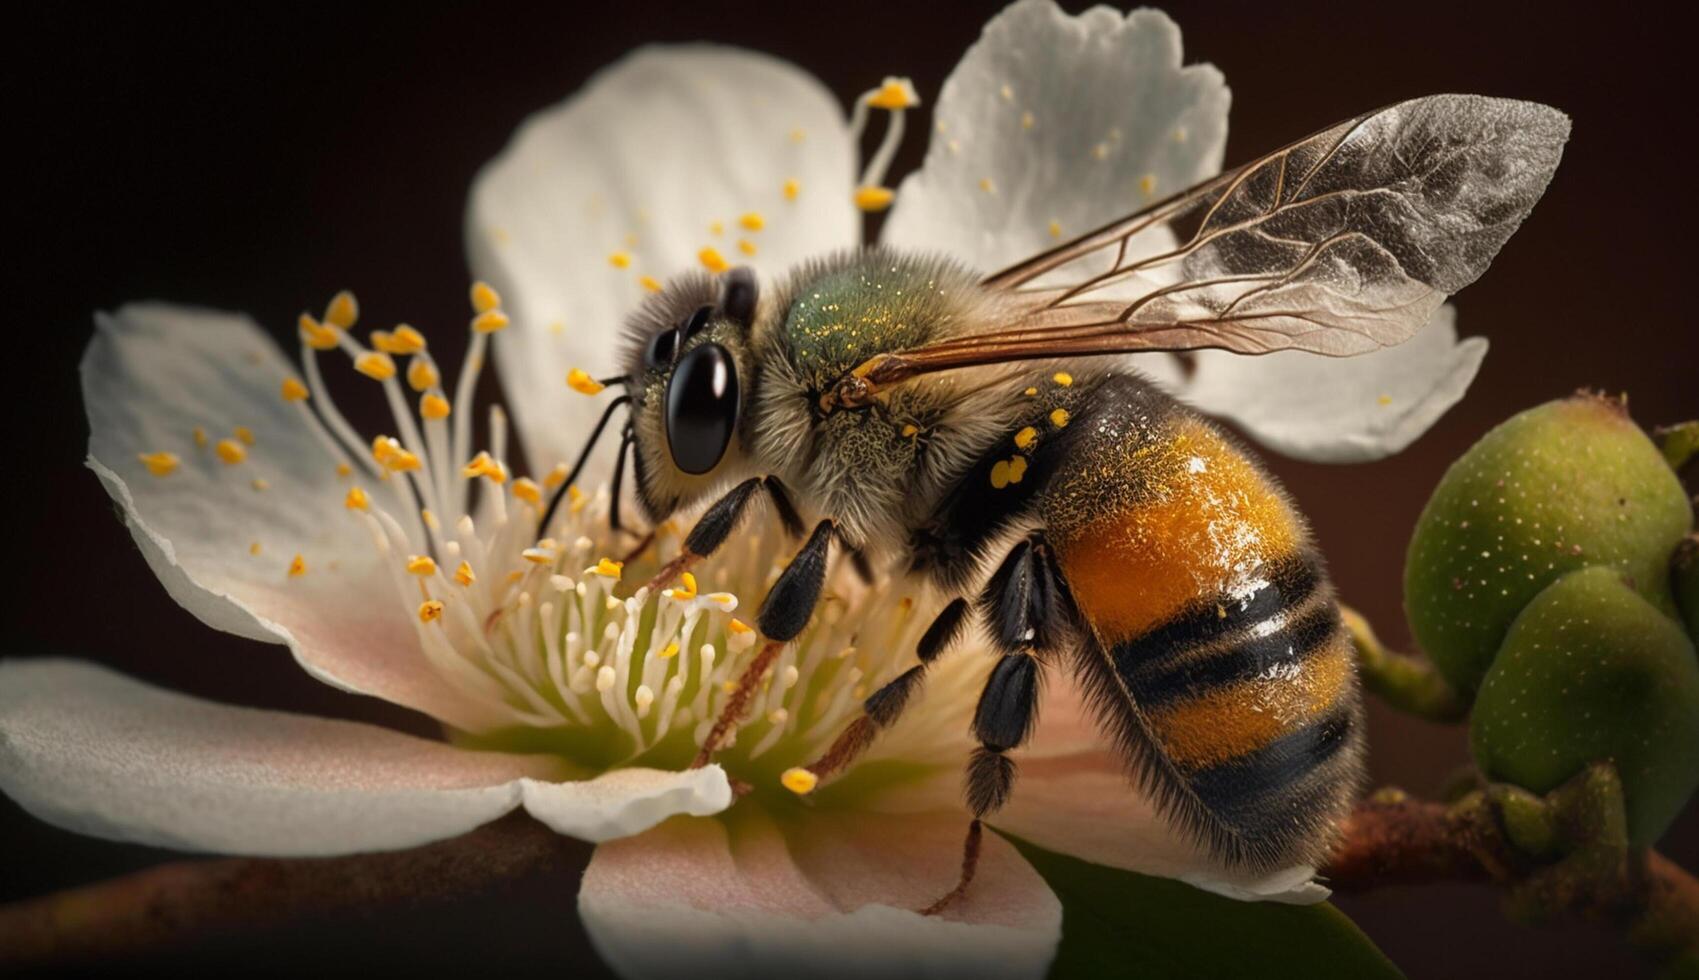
260,159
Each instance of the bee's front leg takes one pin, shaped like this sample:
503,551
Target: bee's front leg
718,522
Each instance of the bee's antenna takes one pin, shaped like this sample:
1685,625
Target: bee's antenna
583,457
619,478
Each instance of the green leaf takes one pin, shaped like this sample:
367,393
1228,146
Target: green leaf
1120,924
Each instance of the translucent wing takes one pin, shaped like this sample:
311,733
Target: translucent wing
1341,243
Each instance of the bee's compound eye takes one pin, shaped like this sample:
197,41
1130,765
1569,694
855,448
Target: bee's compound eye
661,350
702,408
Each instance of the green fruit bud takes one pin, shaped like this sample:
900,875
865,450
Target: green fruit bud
1591,671
1567,485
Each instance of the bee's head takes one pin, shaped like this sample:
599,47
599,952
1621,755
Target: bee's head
689,368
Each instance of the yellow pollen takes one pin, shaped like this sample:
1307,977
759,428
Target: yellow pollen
1027,120
434,406
1007,93
753,221
483,465
343,310
490,321
293,390
1147,184
1026,437
356,499
650,283
430,610
739,626
556,476
987,186
711,259
1030,392
421,565
259,484
406,340
1017,469
895,93
343,469
430,519
230,451
254,549
793,187
910,431
870,199
620,260
1059,418
1180,134
1055,229
746,246
671,650
1062,378
1100,151
464,575
580,381
577,498
538,556
375,365
716,227
245,434
420,375
608,568
527,490
484,298
1000,474
729,687
315,334
200,438
798,135
159,464
557,327
1385,399
297,567
799,781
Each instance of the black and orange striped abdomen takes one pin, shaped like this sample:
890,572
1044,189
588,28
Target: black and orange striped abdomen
1214,648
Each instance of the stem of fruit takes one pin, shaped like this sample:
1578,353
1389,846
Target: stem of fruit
1409,683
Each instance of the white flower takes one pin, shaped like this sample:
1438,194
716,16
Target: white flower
266,515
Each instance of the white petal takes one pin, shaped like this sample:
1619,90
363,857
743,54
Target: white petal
655,150
625,802
154,373
98,753
1054,118
824,895
1340,410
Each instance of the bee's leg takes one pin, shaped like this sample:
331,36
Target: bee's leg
885,705
1027,606
718,522
783,615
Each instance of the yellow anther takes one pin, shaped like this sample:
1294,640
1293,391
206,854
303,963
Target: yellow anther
580,381
723,598
430,519
793,187
649,283
910,431
356,499
316,335
538,556
343,310
1147,184
1030,392
490,321
1055,229
389,454
297,567
526,489
711,259
383,447
421,375
608,568
753,221
1017,469
1026,437
159,464
1062,378
464,575
254,548
343,469
799,781
671,650
259,485
402,340
375,365
746,246
556,476
293,390
484,297
421,565
231,451
200,438
430,610
433,406
686,588
737,626
245,434
1059,418
871,199
895,93
578,499
620,260
483,465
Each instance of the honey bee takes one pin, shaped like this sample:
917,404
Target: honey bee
983,432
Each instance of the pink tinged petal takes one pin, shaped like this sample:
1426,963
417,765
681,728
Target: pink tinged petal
151,376
92,751
825,895
1073,795
630,178
1052,125
1340,410
626,801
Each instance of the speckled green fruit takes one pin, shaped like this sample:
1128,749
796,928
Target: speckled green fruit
1684,581
1567,485
1591,671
